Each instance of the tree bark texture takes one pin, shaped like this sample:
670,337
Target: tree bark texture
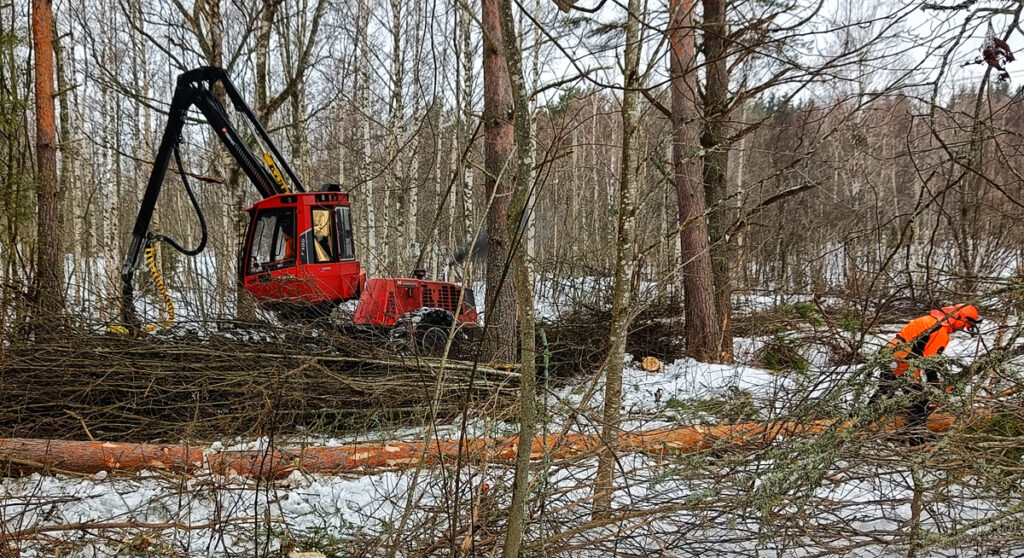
701,328
92,457
68,157
465,129
715,142
624,264
267,13
48,291
499,342
364,176
519,206
399,239
246,306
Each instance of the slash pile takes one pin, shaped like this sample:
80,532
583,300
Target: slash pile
158,390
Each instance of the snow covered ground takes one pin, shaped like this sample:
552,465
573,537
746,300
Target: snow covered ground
705,506
794,499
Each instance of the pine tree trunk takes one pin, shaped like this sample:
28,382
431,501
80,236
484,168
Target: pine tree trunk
624,265
716,164
48,286
499,342
701,327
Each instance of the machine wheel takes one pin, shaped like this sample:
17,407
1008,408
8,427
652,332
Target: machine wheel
432,341
424,331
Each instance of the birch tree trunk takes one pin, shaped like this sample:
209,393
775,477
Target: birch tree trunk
465,108
454,199
701,328
364,177
267,12
68,159
499,342
531,231
85,230
142,144
396,241
210,28
518,206
246,308
48,284
624,264
299,138
112,170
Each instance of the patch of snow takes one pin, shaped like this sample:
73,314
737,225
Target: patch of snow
696,512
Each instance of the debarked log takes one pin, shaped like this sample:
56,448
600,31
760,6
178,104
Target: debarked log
22,454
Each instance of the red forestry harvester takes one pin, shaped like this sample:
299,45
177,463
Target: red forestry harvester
298,257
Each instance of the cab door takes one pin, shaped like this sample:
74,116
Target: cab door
270,253
330,258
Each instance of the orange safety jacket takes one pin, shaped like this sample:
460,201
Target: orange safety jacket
921,338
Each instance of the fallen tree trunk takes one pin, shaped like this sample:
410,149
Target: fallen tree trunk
91,457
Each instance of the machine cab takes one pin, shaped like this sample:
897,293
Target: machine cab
299,248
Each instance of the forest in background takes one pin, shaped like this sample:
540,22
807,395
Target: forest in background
754,191
862,158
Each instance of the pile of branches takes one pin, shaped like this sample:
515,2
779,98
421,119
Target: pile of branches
576,343
216,387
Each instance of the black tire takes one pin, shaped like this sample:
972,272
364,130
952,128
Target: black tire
423,331
432,341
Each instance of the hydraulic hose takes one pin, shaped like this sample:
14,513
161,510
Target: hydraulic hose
160,287
199,213
150,251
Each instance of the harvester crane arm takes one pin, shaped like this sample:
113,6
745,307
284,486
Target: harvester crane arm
195,88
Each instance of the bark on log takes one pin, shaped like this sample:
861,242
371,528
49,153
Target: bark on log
92,457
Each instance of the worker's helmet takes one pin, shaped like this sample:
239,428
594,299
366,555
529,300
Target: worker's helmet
961,316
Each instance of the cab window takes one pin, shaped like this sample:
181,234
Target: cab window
325,247
273,240
348,249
